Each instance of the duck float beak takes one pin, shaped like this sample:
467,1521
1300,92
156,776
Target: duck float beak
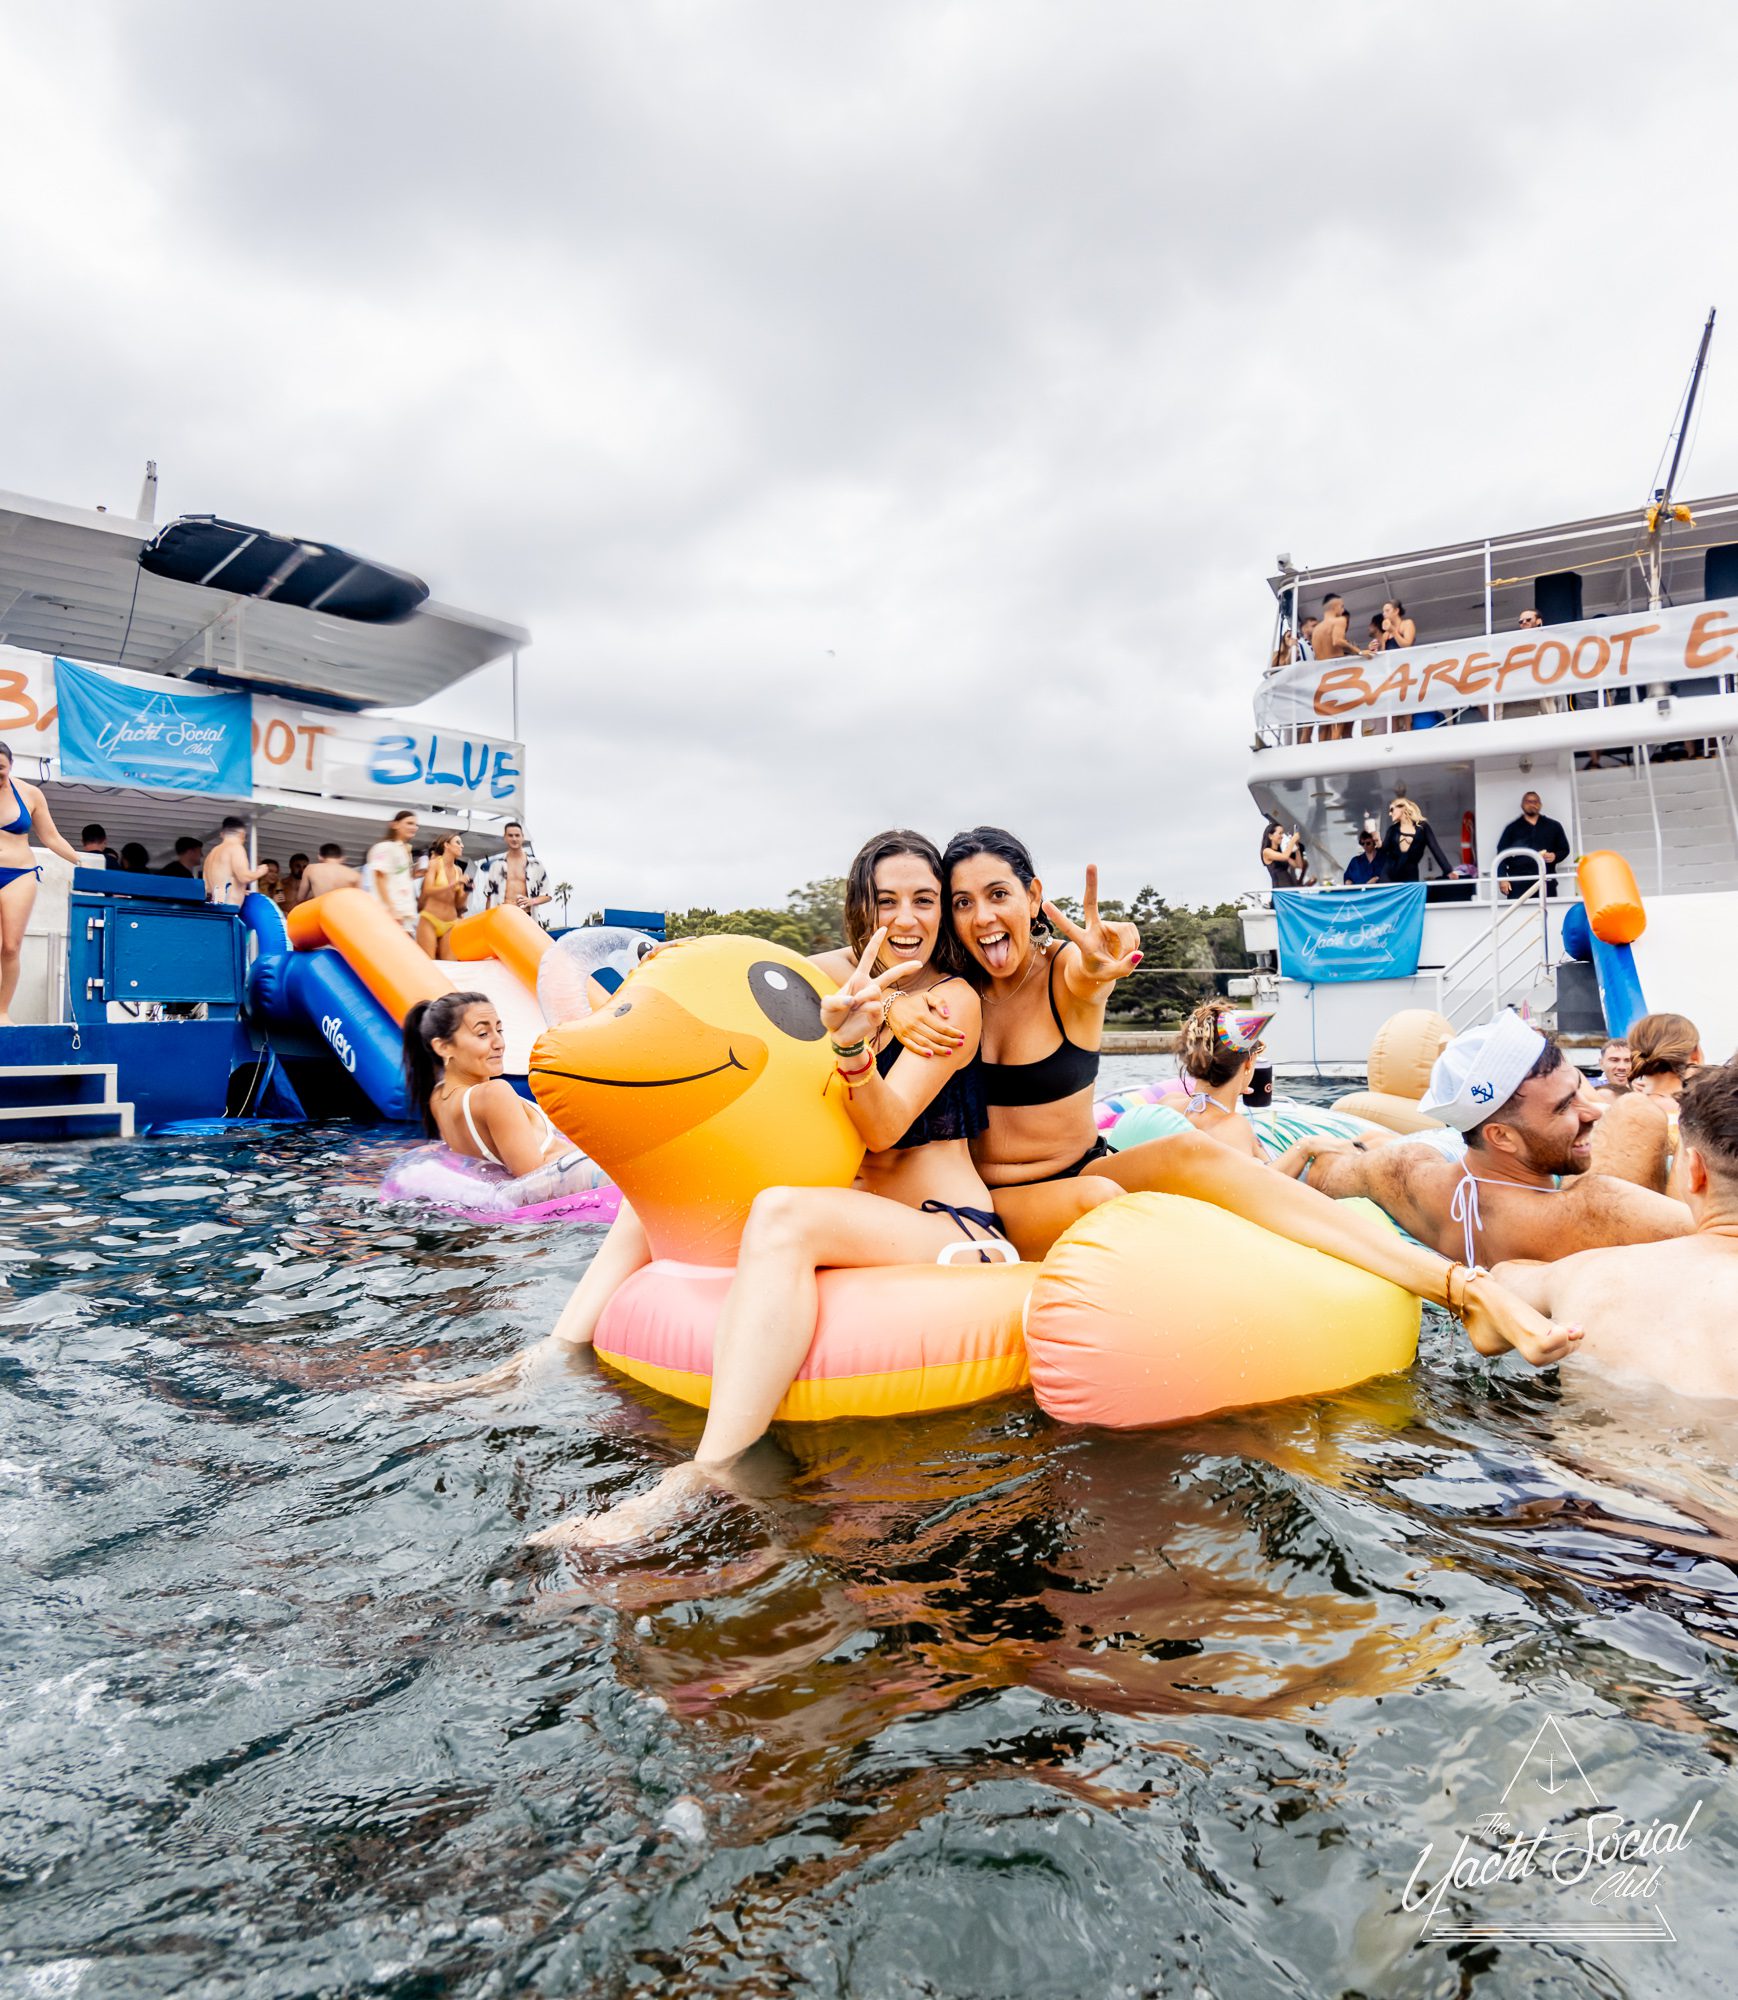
635,1074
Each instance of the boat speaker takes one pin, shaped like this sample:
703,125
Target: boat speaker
1579,1011
1557,596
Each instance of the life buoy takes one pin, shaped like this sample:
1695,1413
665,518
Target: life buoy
1468,852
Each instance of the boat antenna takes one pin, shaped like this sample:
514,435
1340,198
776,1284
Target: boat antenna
147,507
1661,510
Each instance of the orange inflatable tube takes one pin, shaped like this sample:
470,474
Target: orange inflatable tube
511,935
1155,1309
386,961
1608,888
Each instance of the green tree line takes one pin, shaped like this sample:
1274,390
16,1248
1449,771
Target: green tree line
1187,950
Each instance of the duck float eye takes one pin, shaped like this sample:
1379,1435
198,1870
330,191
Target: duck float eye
787,1000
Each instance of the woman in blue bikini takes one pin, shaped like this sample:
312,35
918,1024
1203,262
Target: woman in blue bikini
22,811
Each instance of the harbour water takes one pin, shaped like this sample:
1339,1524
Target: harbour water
964,1705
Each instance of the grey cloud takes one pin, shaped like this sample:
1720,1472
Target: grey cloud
875,413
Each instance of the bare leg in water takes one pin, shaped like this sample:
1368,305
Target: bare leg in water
765,1330
622,1252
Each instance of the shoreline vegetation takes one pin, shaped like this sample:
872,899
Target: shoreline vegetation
1190,953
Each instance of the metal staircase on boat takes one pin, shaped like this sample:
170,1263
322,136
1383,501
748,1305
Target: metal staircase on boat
1509,963
61,1101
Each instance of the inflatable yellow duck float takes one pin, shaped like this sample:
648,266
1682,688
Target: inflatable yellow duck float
708,1076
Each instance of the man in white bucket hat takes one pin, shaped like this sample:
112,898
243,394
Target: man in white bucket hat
1523,1188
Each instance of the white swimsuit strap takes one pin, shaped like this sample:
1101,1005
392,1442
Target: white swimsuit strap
1464,1209
477,1138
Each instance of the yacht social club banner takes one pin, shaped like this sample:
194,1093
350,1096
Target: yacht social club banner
1682,642
150,730
1333,935
164,736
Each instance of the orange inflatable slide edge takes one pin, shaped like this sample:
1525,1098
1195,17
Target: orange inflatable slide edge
510,935
383,957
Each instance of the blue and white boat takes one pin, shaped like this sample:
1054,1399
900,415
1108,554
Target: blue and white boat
154,680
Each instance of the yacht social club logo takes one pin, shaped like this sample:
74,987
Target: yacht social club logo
1551,1860
160,734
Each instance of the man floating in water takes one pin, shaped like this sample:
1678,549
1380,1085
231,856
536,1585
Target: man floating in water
1524,1188
1663,1312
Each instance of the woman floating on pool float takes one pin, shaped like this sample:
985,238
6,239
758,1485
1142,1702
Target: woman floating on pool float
524,1169
1218,1050
917,1196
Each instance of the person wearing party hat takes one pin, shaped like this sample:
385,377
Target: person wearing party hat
1524,1187
1217,1051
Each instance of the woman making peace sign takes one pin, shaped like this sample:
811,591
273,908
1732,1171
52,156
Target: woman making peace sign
917,1197
1043,1158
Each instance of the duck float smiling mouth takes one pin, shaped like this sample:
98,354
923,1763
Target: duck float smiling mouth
708,1076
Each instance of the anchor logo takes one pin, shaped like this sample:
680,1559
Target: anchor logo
1482,1093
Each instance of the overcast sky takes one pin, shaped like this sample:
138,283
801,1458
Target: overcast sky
878,413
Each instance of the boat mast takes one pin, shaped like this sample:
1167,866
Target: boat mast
1660,512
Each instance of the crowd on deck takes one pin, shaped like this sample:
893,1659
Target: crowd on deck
426,893
1327,636
1399,852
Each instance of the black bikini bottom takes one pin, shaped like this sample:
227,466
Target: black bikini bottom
1098,1150
964,1218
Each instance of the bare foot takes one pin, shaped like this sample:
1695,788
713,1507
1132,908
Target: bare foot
503,1376
634,1518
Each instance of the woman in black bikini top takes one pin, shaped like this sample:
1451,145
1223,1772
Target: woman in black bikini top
1043,1158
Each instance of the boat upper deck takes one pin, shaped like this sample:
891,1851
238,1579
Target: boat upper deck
71,583
1617,700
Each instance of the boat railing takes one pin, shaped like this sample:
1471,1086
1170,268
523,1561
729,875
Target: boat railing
1510,958
1272,735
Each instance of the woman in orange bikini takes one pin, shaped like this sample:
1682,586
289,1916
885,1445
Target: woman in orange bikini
442,901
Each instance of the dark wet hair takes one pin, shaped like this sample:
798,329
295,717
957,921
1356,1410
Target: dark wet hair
428,1022
998,841
1708,1117
860,919
329,851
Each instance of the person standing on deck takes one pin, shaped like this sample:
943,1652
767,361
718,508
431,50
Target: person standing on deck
387,872
189,859
514,878
228,872
23,813
1544,836
331,871
1330,641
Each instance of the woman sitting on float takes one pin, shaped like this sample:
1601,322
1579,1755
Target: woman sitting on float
918,1198
1043,1006
454,1054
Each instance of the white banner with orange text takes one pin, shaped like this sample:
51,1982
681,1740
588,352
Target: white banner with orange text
1678,643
